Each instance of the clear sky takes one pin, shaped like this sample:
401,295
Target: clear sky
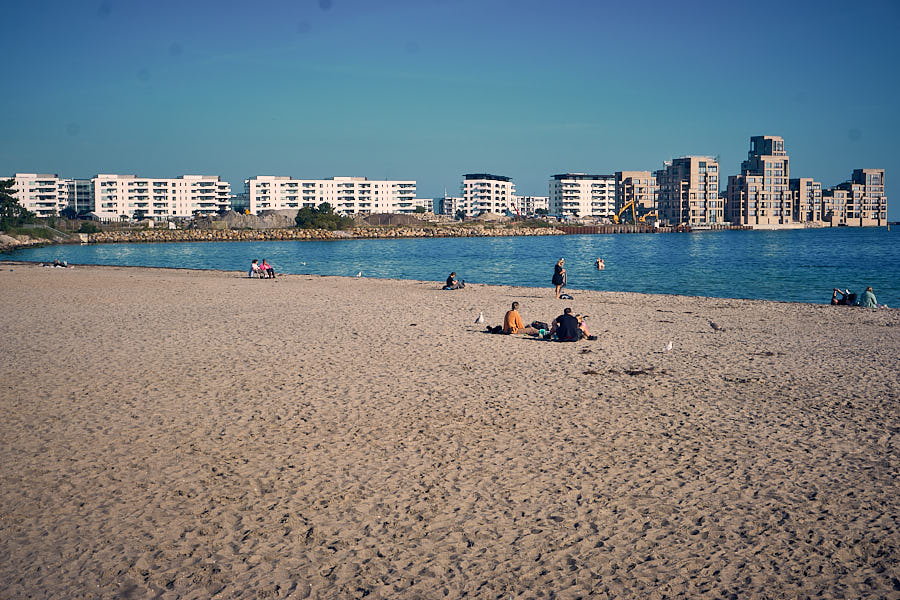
431,89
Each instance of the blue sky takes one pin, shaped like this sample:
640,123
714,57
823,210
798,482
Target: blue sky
431,89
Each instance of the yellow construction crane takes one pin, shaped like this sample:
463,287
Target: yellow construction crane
650,215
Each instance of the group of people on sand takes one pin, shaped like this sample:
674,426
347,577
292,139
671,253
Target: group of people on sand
865,300
567,327
263,269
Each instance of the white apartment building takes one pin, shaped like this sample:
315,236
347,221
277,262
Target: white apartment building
574,195
47,195
483,192
346,195
128,196
529,205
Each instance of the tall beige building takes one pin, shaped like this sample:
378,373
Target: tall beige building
859,202
761,195
638,186
689,191
807,200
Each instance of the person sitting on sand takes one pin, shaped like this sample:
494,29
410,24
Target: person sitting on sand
582,326
566,327
453,283
255,270
842,301
512,322
867,299
267,269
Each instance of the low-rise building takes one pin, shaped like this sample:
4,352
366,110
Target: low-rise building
128,196
346,195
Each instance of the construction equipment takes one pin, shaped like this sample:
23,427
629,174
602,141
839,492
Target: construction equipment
617,218
650,215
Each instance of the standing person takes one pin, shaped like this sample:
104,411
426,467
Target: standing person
867,299
566,327
559,275
453,283
512,322
267,269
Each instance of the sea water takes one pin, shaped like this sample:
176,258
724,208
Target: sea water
801,265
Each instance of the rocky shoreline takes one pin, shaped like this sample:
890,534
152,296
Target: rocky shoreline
242,235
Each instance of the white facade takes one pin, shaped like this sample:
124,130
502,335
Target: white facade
483,192
582,195
346,195
124,196
528,205
39,193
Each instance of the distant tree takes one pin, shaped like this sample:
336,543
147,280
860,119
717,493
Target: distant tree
322,217
89,227
419,210
12,214
460,214
68,213
139,214
541,211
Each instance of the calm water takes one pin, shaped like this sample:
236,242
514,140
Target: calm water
797,265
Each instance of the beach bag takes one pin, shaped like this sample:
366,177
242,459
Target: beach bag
565,297
540,325
495,329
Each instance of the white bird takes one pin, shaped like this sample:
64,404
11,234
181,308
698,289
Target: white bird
480,319
668,347
359,274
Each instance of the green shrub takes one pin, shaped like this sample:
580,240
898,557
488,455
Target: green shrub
89,227
322,217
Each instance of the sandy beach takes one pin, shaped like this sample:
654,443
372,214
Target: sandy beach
196,434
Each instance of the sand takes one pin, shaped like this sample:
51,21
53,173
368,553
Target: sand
190,434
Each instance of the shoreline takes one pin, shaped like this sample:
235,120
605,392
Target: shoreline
470,284
178,432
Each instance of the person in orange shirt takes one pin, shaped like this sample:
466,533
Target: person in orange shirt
512,322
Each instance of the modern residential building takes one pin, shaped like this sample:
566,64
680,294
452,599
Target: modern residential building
574,195
859,202
529,205
807,202
346,195
689,191
39,193
128,196
483,193
761,195
78,194
639,187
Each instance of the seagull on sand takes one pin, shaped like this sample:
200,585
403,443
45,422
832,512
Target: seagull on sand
668,347
716,326
359,274
480,319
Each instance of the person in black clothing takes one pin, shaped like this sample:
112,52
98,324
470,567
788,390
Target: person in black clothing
566,327
453,283
559,275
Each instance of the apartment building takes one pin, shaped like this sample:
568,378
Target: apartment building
574,195
761,194
346,195
128,196
483,193
639,187
859,202
529,205
689,191
807,200
46,195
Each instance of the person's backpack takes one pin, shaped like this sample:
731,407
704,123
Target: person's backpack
540,325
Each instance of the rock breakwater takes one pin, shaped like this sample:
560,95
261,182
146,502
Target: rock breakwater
244,235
